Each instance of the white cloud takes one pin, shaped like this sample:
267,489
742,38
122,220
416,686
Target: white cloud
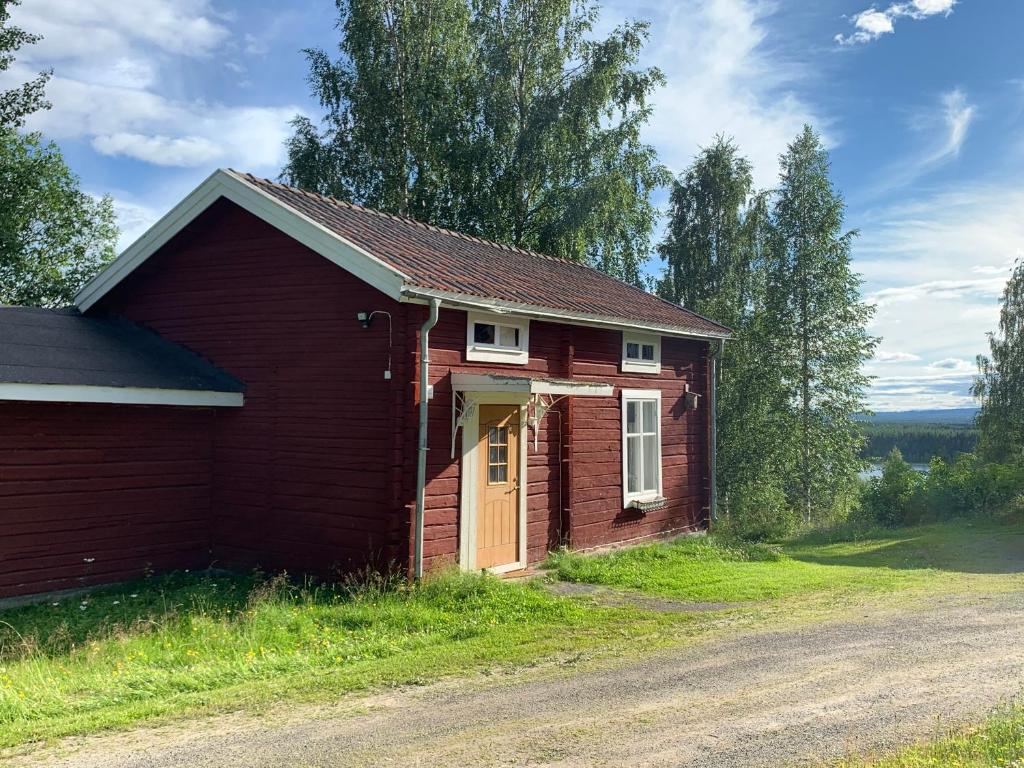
723,77
77,29
936,266
185,152
884,356
955,364
110,59
872,23
957,115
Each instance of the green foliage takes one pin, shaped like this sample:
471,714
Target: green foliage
499,118
1000,383
53,236
965,488
919,442
813,300
776,269
715,568
895,497
759,513
709,263
185,641
997,742
18,103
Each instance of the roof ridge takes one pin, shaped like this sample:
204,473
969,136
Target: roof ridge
409,220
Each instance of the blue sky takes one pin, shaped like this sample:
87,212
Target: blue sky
921,103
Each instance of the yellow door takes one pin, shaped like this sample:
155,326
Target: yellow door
497,515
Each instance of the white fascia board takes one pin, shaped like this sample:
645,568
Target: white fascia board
72,393
296,225
417,295
484,382
581,389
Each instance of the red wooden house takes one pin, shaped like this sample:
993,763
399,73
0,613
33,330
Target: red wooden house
269,377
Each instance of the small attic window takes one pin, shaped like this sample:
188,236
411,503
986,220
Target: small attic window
641,354
497,339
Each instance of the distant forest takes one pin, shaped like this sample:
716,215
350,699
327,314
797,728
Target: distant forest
918,442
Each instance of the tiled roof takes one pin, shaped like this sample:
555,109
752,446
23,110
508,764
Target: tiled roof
433,258
60,346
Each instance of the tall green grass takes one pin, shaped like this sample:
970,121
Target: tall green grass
998,743
189,640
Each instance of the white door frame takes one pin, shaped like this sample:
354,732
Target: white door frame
469,491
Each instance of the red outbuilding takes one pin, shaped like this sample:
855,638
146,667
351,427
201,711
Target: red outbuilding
269,377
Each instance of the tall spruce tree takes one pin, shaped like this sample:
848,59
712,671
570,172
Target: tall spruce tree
1000,383
716,252
813,301
502,118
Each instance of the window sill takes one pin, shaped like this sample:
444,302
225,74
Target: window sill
647,504
651,369
508,356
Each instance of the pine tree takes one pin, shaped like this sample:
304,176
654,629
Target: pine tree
1000,383
813,300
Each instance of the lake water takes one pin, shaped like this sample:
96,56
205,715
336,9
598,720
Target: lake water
875,470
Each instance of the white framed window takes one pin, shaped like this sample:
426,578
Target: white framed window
641,353
497,339
641,445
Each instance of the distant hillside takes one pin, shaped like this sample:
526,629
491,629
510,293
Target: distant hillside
920,435
962,416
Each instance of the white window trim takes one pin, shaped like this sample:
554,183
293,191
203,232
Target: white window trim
485,353
641,366
627,497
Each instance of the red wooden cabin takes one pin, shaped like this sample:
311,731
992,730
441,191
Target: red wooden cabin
244,386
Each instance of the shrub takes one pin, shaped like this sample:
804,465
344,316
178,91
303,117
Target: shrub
759,513
895,498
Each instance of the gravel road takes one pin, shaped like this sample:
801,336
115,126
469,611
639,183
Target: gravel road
775,698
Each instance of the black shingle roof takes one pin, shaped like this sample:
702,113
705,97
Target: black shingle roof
48,346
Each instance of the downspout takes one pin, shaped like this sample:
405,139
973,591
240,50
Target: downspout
716,353
421,463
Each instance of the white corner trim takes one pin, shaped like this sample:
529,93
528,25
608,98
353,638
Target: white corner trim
468,479
71,393
293,223
641,394
648,367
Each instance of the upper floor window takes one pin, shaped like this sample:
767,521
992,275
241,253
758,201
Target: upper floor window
641,353
497,339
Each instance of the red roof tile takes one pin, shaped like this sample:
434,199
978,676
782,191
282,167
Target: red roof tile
439,259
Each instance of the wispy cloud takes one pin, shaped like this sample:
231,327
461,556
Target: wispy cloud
725,75
872,23
109,61
884,356
943,128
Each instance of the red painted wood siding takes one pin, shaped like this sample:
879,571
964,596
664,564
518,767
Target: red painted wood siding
589,431
306,473
125,487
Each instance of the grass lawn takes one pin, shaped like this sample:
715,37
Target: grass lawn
189,642
707,568
998,742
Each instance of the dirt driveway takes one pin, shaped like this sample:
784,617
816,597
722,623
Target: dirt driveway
796,696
